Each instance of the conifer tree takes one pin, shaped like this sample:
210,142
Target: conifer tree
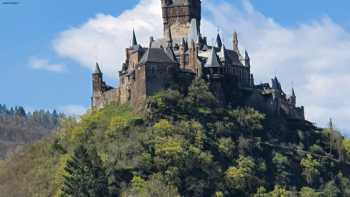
86,175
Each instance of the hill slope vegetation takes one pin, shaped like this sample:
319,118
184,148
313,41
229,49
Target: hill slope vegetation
181,144
18,128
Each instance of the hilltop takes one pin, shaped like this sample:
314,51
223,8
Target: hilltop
18,128
182,144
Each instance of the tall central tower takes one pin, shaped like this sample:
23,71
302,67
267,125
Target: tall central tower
177,16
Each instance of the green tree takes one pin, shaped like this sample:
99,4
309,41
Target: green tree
308,192
279,191
281,173
261,192
241,178
310,168
344,184
199,94
331,190
154,187
346,144
86,176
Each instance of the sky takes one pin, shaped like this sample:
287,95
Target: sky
48,48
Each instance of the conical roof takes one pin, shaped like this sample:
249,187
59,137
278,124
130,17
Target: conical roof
97,69
213,60
134,40
235,41
223,53
218,41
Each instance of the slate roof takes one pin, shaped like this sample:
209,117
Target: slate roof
97,69
213,60
218,41
157,55
134,41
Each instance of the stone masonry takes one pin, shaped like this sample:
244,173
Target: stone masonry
183,51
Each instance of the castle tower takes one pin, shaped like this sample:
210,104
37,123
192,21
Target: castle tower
235,42
293,98
182,55
246,59
177,16
97,86
97,81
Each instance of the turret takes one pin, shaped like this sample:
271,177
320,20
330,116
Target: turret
293,98
134,40
151,40
97,81
246,59
218,41
235,42
223,53
213,60
276,85
182,55
193,63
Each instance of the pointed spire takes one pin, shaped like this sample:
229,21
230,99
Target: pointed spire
293,98
97,69
134,40
170,53
223,53
151,39
184,44
235,41
331,124
276,84
246,58
213,60
246,55
293,93
218,41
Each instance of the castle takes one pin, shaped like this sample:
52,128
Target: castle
183,53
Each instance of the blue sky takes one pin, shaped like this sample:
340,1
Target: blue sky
27,31
31,29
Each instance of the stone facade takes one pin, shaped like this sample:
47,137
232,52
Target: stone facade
184,51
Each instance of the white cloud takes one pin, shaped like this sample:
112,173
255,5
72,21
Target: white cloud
313,56
105,37
43,64
73,110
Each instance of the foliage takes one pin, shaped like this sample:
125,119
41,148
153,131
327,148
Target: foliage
281,174
310,168
182,144
308,192
18,127
346,144
86,176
